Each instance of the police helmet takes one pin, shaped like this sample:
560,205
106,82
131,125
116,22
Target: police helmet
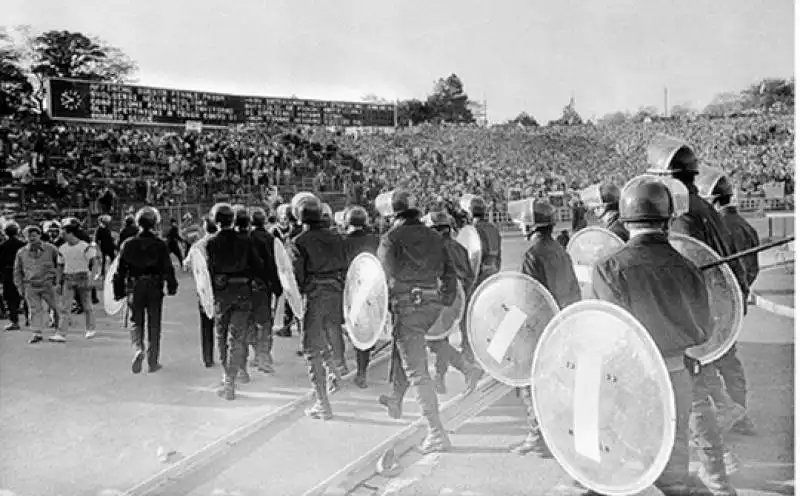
258,216
309,210
222,214
300,198
240,216
355,217
209,226
395,202
440,219
645,199
722,188
477,207
667,155
327,211
104,219
70,223
51,225
148,218
543,214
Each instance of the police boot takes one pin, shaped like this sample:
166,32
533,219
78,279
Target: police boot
227,391
437,439
729,415
712,474
472,377
393,404
322,407
533,443
243,376
334,378
264,359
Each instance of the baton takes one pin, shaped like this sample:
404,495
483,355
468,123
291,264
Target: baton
751,251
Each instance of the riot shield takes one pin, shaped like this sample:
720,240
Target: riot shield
505,317
585,248
288,281
725,298
202,281
111,305
469,238
449,318
365,301
521,212
603,398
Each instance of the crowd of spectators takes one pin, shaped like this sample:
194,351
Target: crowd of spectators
509,161
77,165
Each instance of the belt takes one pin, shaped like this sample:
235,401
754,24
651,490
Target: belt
239,280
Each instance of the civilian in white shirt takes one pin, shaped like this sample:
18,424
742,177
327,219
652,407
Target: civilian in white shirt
206,323
75,259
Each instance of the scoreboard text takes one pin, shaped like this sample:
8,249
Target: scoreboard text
123,103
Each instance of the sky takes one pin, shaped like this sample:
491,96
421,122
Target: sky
516,55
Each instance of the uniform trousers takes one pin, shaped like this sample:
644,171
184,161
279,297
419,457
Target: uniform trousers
410,357
206,336
145,300
232,307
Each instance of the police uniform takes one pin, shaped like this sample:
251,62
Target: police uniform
416,263
320,263
446,355
669,156
144,266
668,295
8,255
744,237
232,264
174,239
357,241
263,292
491,257
547,262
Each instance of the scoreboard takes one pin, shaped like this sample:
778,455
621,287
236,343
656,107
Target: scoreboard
98,101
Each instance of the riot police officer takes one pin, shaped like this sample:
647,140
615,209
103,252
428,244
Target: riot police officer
357,240
744,237
241,221
446,355
491,254
264,290
672,157
548,263
607,207
416,264
320,263
668,295
232,264
144,267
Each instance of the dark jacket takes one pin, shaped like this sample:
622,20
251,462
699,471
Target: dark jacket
662,289
144,255
744,237
128,231
359,241
319,260
234,256
104,240
460,258
8,255
613,224
265,247
491,249
414,256
548,263
703,223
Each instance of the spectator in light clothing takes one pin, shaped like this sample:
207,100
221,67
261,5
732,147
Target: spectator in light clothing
76,257
35,276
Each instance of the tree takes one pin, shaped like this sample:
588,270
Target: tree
724,104
14,86
524,119
769,94
449,102
413,111
67,54
682,110
645,113
614,118
569,116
